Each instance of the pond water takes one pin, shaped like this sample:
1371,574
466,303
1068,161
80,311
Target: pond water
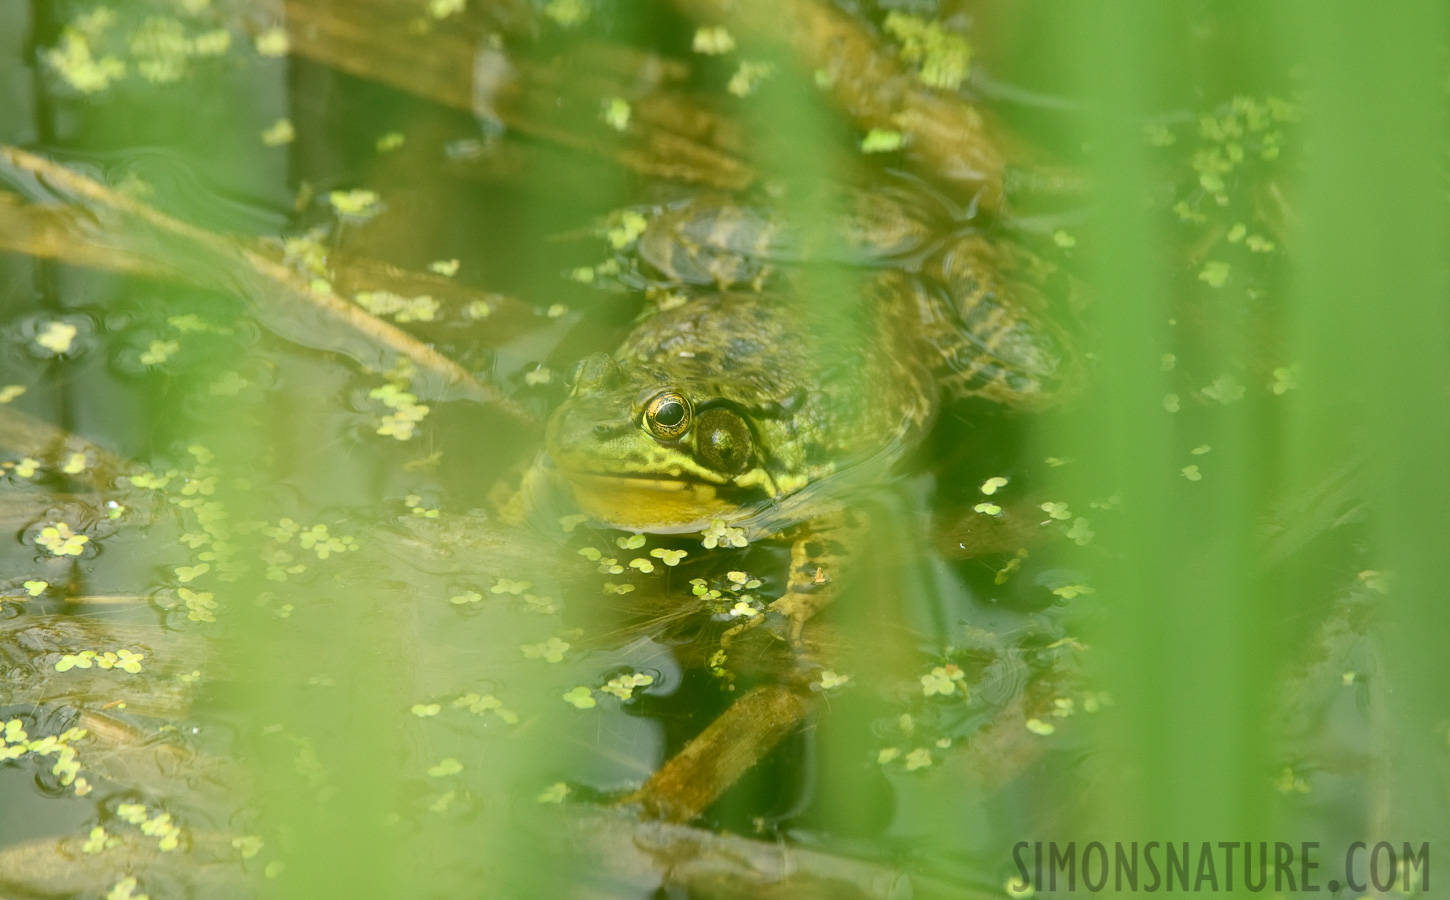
291,290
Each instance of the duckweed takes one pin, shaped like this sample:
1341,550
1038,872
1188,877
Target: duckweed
187,574
744,609
993,485
125,890
616,113
580,697
1214,273
623,686
554,793
1080,532
272,42
552,650
670,558
422,308
748,77
445,767
486,703
1225,389
942,58
355,204
1285,380
882,140
567,13
60,540
78,66
1056,510
829,679
98,840
199,605
713,41
721,535
323,544
442,9
27,467
125,660
919,758
57,337
944,681
610,566
248,845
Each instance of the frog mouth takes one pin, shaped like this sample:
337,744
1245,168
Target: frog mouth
649,503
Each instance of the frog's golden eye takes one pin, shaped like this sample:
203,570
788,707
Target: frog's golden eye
667,415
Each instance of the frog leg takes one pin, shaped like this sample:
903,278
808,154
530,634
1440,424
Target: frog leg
696,776
812,585
817,555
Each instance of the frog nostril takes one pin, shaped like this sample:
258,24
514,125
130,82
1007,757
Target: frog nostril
602,431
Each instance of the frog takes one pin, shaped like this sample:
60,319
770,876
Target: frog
746,408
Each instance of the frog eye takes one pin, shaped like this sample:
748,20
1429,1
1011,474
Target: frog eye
667,415
723,442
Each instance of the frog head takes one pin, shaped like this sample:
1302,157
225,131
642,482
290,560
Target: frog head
643,448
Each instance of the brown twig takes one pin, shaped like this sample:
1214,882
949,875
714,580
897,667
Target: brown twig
69,234
26,436
728,866
373,40
696,777
948,135
283,291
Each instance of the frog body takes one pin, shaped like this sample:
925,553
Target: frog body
714,239
756,406
977,302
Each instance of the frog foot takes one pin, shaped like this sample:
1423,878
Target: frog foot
809,589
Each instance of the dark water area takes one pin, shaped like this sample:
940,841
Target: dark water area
374,663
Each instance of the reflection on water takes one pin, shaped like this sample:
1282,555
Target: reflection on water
283,322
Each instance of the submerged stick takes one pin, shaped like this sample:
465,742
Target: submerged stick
948,135
629,859
70,234
66,234
373,40
27,436
281,292
696,777
209,866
